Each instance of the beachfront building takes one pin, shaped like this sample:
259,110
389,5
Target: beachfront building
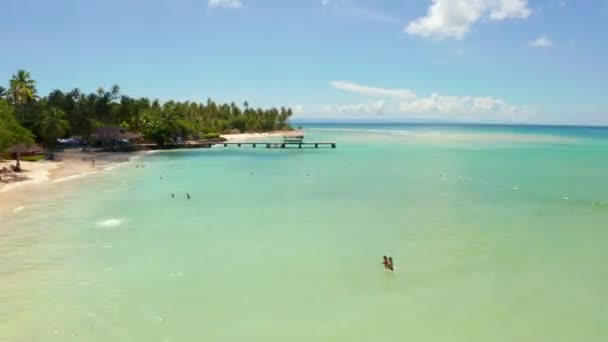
24,150
111,135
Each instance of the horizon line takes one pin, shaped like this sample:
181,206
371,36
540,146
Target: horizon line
441,122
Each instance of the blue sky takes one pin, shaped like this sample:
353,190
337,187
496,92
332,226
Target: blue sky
462,60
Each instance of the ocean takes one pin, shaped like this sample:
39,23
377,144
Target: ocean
498,234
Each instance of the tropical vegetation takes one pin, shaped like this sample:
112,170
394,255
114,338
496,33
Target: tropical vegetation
26,117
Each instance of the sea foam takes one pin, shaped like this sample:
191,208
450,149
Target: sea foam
113,222
18,209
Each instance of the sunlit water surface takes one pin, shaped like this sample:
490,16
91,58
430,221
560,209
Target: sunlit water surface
498,234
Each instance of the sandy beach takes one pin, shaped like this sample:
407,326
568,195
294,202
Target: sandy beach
240,137
17,188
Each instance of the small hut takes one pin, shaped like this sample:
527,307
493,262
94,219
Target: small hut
21,150
114,134
24,150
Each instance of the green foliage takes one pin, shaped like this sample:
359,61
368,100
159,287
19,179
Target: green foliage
33,158
11,133
76,113
22,87
211,136
54,125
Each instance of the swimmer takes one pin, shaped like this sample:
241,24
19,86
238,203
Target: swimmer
390,264
385,262
187,196
172,195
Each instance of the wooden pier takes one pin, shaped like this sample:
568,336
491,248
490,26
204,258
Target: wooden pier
277,144
290,140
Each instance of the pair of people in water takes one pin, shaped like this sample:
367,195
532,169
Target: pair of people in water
187,196
388,263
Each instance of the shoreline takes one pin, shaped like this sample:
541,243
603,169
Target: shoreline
31,184
74,164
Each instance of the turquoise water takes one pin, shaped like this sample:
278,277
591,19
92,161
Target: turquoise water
498,234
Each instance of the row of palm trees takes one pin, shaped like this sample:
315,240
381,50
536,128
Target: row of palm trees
76,113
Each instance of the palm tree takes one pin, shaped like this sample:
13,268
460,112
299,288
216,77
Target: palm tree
115,92
22,89
54,125
2,92
13,134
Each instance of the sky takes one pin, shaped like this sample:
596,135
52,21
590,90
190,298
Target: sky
513,61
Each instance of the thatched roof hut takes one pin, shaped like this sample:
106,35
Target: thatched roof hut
107,133
25,150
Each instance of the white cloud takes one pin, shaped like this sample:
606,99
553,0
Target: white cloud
298,108
454,18
405,103
541,42
234,4
365,90
367,109
507,9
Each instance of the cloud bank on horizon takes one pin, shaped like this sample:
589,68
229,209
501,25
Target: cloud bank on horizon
406,104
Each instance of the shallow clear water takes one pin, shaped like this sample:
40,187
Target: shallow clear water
498,234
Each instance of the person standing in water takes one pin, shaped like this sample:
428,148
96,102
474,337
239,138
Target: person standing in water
391,267
385,262
187,195
93,163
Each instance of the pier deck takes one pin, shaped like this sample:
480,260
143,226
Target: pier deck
277,144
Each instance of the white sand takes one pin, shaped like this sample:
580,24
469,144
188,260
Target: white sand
33,172
241,137
19,189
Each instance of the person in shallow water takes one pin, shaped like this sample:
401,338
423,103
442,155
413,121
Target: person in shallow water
188,196
390,264
385,262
